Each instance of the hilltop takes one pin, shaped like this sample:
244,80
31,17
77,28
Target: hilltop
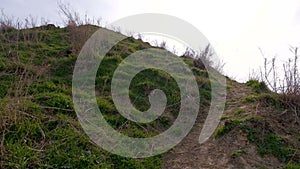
39,127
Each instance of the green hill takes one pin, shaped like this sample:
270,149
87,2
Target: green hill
39,127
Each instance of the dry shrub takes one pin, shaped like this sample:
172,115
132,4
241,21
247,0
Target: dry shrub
80,29
204,59
286,85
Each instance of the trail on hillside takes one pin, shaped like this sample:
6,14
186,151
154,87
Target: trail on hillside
217,152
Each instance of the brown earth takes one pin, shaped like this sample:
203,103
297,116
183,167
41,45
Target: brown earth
232,150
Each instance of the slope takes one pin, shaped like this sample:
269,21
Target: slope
39,128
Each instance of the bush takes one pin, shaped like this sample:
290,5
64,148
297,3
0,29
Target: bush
257,86
287,86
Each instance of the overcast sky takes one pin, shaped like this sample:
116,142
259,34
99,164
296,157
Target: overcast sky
235,28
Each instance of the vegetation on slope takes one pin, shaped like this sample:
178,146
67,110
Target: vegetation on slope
39,128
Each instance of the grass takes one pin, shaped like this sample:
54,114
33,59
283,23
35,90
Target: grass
267,99
38,123
258,87
227,127
239,111
236,154
292,166
39,127
232,123
269,143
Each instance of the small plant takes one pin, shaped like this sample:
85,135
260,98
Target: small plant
236,154
203,59
257,86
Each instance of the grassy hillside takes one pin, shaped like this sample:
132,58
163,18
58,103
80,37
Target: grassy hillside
39,128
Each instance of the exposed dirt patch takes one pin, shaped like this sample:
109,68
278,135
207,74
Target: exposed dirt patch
233,149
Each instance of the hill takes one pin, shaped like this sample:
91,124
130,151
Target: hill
39,127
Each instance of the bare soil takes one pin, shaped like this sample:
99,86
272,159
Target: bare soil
233,150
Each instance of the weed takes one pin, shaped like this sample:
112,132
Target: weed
236,154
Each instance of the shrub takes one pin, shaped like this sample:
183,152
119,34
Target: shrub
257,86
287,86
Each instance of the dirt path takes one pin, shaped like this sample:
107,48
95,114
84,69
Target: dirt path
217,153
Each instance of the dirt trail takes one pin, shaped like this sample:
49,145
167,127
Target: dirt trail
217,153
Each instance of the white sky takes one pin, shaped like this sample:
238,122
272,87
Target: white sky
235,28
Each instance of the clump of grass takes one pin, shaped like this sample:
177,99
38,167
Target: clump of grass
227,127
230,124
236,154
56,101
250,99
268,99
258,87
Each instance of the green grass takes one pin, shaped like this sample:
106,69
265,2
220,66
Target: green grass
239,111
6,82
269,143
41,129
227,127
292,166
268,99
232,123
258,87
236,154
